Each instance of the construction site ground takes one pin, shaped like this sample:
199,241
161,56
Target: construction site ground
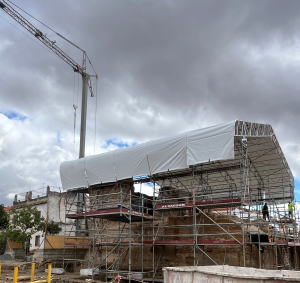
7,272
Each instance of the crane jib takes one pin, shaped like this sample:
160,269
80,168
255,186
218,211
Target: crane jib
38,33
41,37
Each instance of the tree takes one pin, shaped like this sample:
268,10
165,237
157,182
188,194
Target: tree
4,221
4,218
53,228
24,223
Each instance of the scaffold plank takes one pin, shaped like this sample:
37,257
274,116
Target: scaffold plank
202,204
114,214
157,243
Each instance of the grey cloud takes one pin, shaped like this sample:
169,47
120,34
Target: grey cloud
164,67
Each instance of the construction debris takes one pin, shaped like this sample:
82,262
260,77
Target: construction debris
6,257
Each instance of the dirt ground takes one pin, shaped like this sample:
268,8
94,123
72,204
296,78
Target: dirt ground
7,270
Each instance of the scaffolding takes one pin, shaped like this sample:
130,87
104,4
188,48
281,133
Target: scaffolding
201,215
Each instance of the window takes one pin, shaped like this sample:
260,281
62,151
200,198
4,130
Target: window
37,240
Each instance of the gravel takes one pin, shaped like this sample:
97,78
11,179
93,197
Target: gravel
6,257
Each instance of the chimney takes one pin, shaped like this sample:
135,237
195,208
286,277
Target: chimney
30,195
16,199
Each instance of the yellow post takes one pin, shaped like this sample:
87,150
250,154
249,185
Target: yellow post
16,274
49,273
0,270
32,272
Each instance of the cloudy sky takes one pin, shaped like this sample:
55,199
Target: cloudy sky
164,67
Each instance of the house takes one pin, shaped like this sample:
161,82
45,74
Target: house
7,208
50,204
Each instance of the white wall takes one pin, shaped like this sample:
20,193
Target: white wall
56,212
43,209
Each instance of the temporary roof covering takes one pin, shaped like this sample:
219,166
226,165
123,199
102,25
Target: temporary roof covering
206,146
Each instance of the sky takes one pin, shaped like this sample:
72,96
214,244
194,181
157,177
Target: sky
164,67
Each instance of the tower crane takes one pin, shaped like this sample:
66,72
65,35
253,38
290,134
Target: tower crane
81,69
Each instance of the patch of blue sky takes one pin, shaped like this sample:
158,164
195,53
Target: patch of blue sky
58,139
140,177
13,115
119,143
297,190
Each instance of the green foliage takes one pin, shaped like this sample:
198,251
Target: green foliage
24,223
2,242
4,218
53,228
4,222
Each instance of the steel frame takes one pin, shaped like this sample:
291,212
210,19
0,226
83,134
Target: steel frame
194,190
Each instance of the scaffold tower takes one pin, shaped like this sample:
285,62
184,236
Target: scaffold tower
210,189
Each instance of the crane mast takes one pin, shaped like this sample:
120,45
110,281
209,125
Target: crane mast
81,69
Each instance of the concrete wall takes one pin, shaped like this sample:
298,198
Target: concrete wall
16,253
57,254
16,250
58,242
229,274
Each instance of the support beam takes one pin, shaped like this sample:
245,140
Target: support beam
85,79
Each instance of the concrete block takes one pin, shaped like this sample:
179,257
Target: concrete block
138,276
89,271
56,270
227,274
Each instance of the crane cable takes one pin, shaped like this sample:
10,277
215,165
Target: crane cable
31,16
91,65
74,105
95,134
27,35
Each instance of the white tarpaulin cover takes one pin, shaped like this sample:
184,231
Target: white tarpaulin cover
174,153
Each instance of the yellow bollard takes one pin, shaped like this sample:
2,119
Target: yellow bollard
32,272
49,273
0,271
16,274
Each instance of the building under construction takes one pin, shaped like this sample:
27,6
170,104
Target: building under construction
208,187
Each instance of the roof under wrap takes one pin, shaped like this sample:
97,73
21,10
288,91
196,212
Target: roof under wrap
174,153
212,147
